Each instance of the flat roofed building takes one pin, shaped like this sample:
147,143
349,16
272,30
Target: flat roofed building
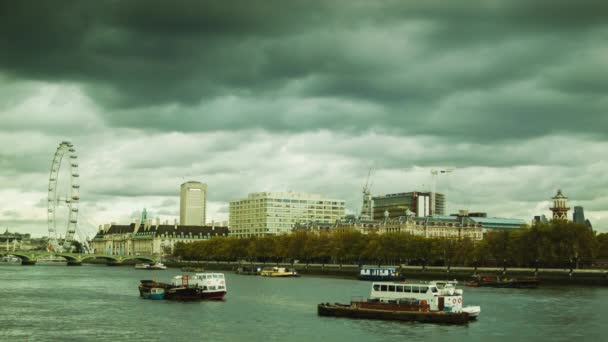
193,203
271,213
417,202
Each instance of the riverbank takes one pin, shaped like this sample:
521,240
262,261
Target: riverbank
547,276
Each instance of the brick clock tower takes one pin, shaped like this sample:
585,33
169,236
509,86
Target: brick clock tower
560,206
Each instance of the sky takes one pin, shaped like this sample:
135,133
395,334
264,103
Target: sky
303,96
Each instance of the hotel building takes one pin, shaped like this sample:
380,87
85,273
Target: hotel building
271,213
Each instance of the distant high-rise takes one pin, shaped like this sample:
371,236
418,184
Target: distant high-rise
417,202
579,215
193,204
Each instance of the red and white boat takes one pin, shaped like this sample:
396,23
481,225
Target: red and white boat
209,285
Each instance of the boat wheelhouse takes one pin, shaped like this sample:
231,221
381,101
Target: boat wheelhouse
154,293
380,274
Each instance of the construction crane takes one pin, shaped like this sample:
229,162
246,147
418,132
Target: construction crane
434,174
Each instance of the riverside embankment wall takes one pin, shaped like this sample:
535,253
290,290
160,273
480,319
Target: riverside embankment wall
596,277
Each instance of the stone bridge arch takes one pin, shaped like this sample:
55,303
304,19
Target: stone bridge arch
26,259
140,258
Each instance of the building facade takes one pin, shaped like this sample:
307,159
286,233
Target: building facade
148,239
457,226
193,204
271,213
416,202
429,227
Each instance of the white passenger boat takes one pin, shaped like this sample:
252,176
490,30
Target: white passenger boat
439,295
142,266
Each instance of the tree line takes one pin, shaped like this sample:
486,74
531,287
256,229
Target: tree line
557,244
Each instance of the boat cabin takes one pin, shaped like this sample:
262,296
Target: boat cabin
207,281
380,273
390,292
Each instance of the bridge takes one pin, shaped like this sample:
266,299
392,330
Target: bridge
76,259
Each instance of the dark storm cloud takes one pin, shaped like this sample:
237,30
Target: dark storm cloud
416,67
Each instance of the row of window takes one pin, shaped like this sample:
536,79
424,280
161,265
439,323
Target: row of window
403,288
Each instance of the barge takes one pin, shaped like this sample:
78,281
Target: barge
504,282
416,302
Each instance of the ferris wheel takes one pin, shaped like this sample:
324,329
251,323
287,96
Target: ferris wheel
64,194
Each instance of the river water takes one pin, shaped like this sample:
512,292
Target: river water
100,303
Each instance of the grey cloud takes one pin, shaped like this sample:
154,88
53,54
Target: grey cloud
182,63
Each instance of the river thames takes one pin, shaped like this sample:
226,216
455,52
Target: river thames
100,303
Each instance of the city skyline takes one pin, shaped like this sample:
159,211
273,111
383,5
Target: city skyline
306,99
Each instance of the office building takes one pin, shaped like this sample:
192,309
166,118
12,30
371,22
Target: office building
579,215
416,202
271,213
193,204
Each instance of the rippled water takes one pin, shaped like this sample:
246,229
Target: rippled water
100,303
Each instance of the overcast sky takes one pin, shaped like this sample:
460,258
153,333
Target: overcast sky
304,96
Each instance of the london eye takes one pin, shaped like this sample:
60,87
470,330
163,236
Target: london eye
63,198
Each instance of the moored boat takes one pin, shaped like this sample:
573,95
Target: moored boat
407,302
157,266
248,270
503,282
142,266
283,272
380,274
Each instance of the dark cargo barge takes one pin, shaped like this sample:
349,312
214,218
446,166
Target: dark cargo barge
497,281
395,312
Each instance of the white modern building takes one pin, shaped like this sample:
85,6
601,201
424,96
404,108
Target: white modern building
271,213
192,203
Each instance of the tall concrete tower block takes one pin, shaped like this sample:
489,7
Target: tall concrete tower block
560,206
193,204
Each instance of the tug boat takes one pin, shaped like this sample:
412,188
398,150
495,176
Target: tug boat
380,274
420,302
278,272
497,281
